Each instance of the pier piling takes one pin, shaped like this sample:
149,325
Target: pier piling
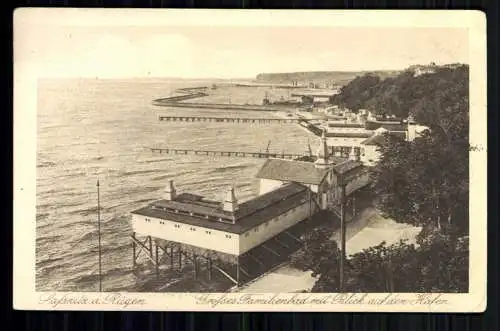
238,120
247,154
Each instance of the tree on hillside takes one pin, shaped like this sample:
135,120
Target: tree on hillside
404,94
354,95
320,255
438,264
426,182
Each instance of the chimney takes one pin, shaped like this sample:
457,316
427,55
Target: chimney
169,192
411,131
230,203
353,156
322,155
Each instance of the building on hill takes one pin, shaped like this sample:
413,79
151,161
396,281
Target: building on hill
370,153
230,235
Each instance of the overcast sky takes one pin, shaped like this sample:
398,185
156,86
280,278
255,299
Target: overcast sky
189,52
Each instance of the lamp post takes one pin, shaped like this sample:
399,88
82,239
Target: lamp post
99,234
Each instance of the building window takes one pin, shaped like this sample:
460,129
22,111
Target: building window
192,229
177,225
247,234
228,236
161,222
208,232
256,229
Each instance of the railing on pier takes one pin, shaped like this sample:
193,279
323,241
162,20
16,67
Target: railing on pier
261,155
229,119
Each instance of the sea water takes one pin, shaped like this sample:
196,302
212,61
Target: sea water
90,129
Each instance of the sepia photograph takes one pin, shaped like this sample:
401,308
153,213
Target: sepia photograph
241,165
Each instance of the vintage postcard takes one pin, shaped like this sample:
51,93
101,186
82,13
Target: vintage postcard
249,160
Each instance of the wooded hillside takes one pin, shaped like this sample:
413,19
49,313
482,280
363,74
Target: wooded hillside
406,93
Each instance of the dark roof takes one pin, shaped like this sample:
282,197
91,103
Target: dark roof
375,140
390,126
292,171
249,215
349,134
347,166
345,125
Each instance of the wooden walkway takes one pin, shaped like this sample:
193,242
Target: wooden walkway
229,120
260,155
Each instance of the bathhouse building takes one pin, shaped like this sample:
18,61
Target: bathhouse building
242,238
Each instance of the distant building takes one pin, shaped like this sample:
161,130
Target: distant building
370,148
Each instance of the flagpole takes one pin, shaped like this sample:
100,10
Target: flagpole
99,233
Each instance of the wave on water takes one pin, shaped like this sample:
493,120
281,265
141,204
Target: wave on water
46,164
140,172
231,168
157,160
66,201
172,176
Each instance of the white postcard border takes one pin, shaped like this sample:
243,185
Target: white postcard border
25,128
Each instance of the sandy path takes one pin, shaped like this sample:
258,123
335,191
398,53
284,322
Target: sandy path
366,230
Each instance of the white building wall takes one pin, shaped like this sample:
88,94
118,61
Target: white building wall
267,185
337,129
265,231
344,141
183,233
369,155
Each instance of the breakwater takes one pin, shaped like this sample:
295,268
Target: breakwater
223,106
190,93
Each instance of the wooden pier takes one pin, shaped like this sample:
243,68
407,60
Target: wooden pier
229,120
260,155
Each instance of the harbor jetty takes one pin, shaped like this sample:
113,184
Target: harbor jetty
190,93
167,102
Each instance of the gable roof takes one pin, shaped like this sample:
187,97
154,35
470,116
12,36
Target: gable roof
390,126
347,166
345,125
349,134
292,171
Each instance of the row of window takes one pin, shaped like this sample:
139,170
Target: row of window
277,219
